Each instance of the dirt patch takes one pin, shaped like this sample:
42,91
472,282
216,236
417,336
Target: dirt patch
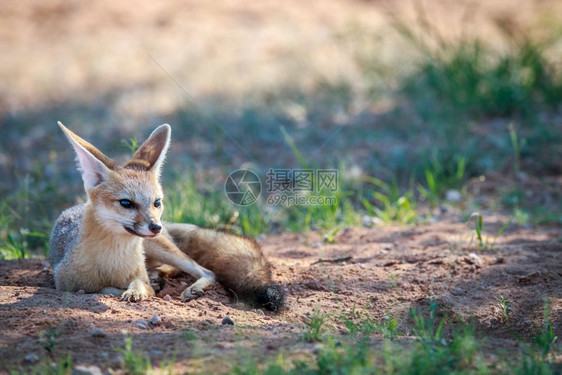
391,271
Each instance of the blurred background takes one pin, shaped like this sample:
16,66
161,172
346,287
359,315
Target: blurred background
423,107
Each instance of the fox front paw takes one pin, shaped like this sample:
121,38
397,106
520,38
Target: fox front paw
133,295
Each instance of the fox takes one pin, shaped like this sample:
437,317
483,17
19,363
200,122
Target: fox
116,242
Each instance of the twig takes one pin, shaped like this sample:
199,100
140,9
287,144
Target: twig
335,260
235,295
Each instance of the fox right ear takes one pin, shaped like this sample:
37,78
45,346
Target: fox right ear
151,154
93,164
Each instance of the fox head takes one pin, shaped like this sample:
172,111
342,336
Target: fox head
125,199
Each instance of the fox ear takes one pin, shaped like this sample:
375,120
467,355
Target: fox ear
93,164
152,153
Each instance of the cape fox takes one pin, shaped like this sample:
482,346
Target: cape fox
100,246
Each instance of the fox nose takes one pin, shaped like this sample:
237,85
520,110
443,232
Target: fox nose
154,228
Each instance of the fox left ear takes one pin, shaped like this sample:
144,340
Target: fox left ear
152,153
93,164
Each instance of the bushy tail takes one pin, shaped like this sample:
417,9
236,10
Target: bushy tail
258,292
237,261
270,297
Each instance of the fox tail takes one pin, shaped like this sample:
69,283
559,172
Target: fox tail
268,296
237,261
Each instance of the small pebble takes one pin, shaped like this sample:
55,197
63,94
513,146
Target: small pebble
227,321
225,345
141,324
86,370
117,361
314,285
260,312
98,332
457,291
317,348
367,221
31,358
391,263
377,220
81,291
453,196
156,352
475,260
155,320
167,298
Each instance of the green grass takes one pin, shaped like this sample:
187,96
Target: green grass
537,356
484,241
336,208
388,203
62,366
358,322
505,307
28,211
24,222
49,338
316,327
58,366
461,110
460,86
472,78
134,363
441,176
435,347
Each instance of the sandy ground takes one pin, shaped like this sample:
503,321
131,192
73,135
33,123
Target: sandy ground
391,271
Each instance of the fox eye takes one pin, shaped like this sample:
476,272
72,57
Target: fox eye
125,203
157,203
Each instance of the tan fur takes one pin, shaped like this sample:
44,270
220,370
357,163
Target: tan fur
109,163
237,262
162,251
101,246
